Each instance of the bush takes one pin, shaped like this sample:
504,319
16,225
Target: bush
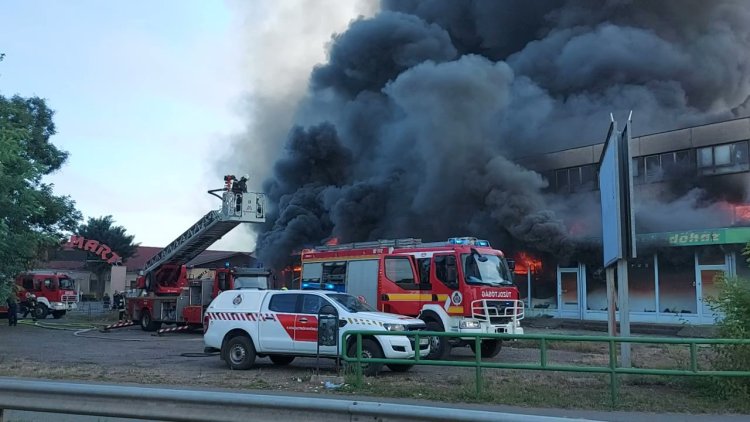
733,303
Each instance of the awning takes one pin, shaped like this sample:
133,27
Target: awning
719,236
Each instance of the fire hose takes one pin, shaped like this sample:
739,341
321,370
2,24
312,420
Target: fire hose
79,329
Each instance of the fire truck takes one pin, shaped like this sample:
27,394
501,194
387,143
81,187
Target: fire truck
55,293
461,285
164,292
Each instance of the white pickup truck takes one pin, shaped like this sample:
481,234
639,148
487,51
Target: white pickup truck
282,325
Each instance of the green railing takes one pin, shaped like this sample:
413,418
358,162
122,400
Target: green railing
613,369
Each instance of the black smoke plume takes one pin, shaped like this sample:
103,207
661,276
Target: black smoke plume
411,127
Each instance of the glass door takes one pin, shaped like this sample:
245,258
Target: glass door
568,286
711,263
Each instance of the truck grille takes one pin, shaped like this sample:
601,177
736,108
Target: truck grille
70,298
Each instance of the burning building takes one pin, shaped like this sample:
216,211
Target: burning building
433,119
691,202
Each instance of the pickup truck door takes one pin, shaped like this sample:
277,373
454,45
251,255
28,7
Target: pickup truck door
276,323
306,326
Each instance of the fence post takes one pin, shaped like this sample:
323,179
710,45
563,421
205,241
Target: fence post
359,360
478,362
612,373
543,351
693,357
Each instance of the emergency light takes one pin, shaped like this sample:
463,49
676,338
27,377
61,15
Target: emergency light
468,241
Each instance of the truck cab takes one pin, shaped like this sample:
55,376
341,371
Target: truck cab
283,325
55,292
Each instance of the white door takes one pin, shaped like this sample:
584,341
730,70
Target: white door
306,327
706,277
277,323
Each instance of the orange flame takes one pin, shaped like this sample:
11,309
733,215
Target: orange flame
526,263
332,241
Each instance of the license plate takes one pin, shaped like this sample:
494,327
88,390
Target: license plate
424,341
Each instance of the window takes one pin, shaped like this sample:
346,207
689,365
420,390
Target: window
638,170
727,158
284,303
563,181
653,168
311,304
423,264
28,284
445,270
47,283
400,272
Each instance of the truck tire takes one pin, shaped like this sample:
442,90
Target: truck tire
370,349
41,311
58,314
490,348
239,353
439,347
281,359
399,367
148,324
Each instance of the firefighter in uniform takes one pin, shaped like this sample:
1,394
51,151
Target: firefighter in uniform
12,308
30,305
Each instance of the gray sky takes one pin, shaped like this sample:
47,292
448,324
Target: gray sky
148,94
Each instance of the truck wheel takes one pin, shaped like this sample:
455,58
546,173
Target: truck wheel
58,314
399,368
41,311
371,350
490,348
239,353
281,359
439,347
147,324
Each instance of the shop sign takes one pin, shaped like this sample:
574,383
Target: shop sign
96,248
701,237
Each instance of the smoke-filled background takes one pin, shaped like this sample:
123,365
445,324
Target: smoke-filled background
412,124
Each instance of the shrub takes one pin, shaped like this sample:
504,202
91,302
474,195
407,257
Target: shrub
733,304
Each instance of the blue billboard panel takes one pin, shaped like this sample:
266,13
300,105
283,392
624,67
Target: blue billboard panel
609,189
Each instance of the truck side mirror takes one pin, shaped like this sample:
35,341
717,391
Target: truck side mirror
511,265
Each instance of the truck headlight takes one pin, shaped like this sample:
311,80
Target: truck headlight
469,323
394,327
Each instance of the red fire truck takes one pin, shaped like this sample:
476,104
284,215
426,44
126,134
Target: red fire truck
461,285
55,293
164,293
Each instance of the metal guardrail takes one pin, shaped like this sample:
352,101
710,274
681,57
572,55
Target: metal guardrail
194,405
612,368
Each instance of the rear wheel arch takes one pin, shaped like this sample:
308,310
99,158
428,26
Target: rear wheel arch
234,333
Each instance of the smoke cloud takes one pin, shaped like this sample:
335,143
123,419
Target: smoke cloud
411,126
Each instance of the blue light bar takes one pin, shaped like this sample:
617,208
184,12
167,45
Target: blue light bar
468,241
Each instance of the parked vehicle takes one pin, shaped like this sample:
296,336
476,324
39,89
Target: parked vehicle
245,324
461,285
55,293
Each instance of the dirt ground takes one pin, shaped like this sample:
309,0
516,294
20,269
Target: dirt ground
133,356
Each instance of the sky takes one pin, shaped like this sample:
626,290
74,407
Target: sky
149,94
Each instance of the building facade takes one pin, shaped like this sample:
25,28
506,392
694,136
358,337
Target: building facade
692,222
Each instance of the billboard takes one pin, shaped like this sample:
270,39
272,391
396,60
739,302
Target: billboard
616,190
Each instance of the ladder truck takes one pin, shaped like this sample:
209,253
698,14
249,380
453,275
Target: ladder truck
165,295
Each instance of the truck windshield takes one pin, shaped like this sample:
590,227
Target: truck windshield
67,284
489,269
351,303
250,282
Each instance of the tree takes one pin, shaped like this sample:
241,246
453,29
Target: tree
32,218
103,230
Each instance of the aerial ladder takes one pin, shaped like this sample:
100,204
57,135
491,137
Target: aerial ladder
161,272
166,295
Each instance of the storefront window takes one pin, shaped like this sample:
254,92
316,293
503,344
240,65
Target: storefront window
677,281
641,284
544,286
596,288
743,269
710,255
